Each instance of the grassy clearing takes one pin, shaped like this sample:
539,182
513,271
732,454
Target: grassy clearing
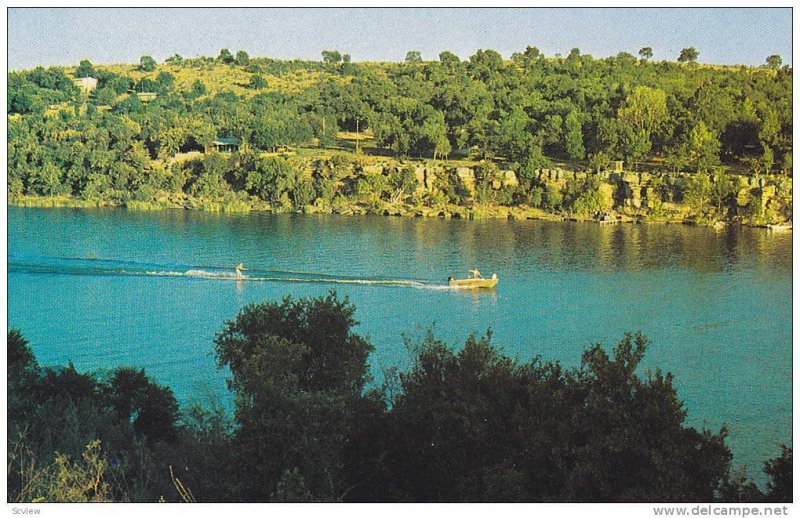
218,77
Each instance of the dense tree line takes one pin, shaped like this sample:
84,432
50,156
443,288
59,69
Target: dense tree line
518,113
310,425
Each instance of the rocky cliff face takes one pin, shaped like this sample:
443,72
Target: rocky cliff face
750,199
642,192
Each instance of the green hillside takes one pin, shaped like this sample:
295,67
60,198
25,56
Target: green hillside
147,131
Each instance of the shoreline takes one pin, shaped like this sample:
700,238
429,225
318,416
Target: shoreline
480,212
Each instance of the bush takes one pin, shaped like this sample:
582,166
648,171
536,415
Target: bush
267,179
583,196
475,425
552,197
535,196
403,180
599,161
257,82
65,480
779,469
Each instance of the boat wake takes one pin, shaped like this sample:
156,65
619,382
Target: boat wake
109,267
310,278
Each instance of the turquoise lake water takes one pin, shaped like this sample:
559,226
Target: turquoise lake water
104,288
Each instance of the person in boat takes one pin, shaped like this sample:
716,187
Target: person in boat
475,274
239,267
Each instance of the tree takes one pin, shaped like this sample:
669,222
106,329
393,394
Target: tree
635,145
300,188
786,164
573,136
85,69
210,182
688,55
534,160
434,135
272,125
448,59
22,373
626,59
105,96
531,56
298,371
164,83
645,109
19,355
257,82
574,55
25,99
643,113
225,56
475,425
147,64
774,62
151,409
512,137
174,59
326,131
346,67
646,53
458,425
779,469
196,89
46,180
721,190
768,159
698,192
413,56
770,127
703,147
242,58
266,177
485,63
599,161
331,57
677,158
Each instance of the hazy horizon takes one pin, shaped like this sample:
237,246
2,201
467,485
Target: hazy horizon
64,36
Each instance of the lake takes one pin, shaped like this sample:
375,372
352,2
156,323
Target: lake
105,288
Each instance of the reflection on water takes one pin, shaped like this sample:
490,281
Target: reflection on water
429,245
716,303
484,297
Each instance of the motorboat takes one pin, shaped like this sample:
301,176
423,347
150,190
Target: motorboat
476,281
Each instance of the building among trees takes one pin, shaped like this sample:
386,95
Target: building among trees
224,144
86,84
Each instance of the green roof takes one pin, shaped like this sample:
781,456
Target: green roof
227,141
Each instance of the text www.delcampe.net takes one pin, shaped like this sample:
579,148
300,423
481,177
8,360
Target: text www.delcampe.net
720,510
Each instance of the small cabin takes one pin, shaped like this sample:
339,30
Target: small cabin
86,84
224,145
